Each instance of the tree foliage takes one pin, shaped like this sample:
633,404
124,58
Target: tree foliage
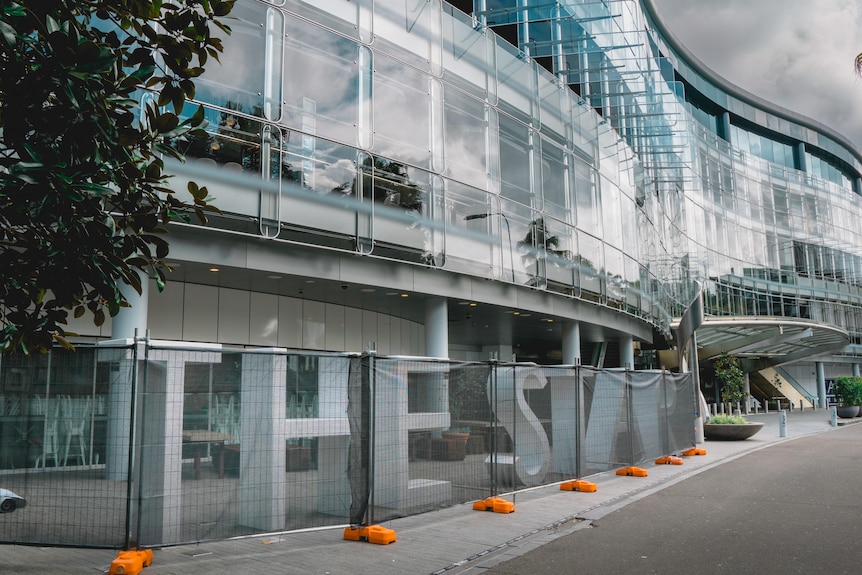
83,194
729,372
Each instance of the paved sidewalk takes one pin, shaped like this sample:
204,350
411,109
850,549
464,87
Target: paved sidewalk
453,540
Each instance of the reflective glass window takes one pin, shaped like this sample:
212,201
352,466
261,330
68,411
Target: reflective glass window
555,187
585,197
402,112
322,84
238,82
465,137
515,154
340,15
319,165
466,53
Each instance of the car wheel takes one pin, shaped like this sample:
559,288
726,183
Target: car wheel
8,506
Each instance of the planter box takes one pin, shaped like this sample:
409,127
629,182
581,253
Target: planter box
731,431
847,411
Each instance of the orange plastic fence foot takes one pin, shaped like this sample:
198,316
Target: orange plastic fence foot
694,451
578,485
669,460
495,504
632,472
131,562
376,534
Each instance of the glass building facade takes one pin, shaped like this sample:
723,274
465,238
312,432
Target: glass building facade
538,167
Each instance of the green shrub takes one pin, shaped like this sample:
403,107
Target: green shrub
728,419
848,390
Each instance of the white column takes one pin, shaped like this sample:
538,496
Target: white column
130,320
436,327
627,352
571,343
857,370
262,479
333,486
127,324
747,389
121,377
160,443
821,384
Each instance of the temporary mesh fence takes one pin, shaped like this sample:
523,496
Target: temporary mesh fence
156,444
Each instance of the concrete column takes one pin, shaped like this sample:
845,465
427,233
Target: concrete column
160,444
571,343
821,384
129,323
857,370
747,390
121,380
627,352
436,327
333,443
133,319
262,480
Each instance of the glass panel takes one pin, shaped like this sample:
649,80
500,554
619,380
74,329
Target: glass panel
238,83
325,101
402,109
555,180
585,197
335,14
465,53
464,129
515,161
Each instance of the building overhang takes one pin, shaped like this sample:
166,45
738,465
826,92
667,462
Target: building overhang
767,342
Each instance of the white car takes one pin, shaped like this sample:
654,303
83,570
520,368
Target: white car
9,502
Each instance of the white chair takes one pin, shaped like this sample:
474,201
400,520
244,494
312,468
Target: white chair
51,436
76,418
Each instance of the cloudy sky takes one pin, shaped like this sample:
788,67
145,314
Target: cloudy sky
796,53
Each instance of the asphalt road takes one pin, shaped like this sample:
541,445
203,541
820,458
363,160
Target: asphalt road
793,508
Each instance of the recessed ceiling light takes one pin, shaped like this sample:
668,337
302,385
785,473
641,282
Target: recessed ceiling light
213,269
274,277
516,312
526,314
392,293
309,281
368,290
405,295
473,304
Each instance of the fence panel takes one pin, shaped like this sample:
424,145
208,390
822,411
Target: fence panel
158,445
680,401
429,435
561,415
647,412
54,412
606,442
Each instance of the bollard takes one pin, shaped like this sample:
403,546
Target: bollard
765,406
834,418
802,404
782,423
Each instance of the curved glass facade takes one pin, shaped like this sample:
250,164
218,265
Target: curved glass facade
570,147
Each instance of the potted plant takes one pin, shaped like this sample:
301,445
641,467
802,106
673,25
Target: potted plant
730,427
848,393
